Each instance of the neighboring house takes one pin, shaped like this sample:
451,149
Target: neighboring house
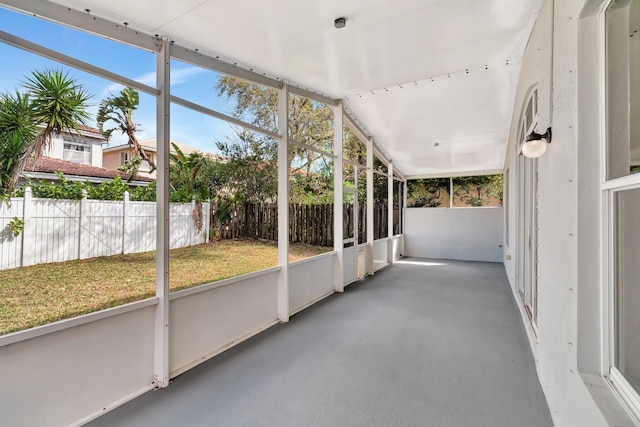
85,149
116,156
45,168
78,157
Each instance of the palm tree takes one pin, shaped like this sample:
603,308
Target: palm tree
117,112
184,172
17,129
57,103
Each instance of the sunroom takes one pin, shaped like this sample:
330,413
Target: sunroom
440,195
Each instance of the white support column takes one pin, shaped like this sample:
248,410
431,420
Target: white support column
125,222
161,349
370,222
83,236
207,223
283,204
405,192
356,212
338,198
390,213
192,226
28,230
450,191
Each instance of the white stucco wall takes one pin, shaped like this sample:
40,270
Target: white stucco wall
567,344
56,148
472,234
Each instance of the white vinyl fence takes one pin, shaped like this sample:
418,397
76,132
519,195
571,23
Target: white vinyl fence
62,230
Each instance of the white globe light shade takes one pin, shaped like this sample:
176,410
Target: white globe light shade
535,148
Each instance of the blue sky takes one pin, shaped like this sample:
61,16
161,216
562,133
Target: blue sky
187,81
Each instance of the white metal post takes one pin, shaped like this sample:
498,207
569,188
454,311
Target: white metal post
125,223
370,221
403,230
283,204
338,198
28,230
161,351
356,213
82,226
450,191
390,213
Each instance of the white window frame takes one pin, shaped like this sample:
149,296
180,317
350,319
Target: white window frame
609,189
629,397
78,142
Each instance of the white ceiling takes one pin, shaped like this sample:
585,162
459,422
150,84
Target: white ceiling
415,73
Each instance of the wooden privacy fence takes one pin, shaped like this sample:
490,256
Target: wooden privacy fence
312,224
62,230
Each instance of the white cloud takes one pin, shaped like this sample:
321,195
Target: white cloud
178,76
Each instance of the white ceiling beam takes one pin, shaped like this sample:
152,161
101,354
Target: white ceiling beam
196,58
86,22
296,90
355,127
456,174
215,64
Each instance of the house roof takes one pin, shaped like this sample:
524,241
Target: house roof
86,131
151,145
48,165
84,128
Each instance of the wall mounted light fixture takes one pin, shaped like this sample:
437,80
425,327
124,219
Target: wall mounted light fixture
535,144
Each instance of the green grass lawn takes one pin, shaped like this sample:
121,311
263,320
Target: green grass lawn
40,294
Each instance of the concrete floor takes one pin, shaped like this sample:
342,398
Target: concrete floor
421,343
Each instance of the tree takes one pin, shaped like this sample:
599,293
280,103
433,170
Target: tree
380,182
116,112
426,193
478,190
193,177
250,171
252,158
56,102
313,185
17,129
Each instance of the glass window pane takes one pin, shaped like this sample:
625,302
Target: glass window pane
627,286
623,88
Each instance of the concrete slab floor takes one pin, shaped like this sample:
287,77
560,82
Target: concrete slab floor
421,343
